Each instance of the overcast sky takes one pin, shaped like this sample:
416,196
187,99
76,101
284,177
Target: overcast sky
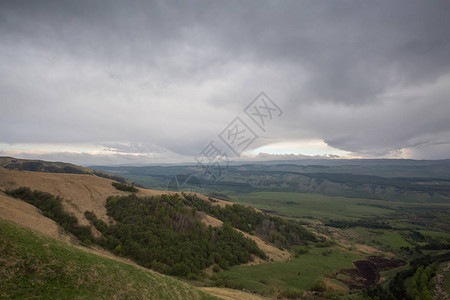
97,82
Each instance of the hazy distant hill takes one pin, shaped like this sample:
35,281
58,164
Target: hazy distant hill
397,179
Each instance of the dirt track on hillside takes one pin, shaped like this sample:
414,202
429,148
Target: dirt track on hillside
230,294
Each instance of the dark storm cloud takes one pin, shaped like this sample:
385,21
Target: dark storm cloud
366,77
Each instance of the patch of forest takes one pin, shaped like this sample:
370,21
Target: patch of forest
421,269
163,234
270,228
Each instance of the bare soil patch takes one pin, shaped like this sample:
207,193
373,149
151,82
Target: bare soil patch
366,272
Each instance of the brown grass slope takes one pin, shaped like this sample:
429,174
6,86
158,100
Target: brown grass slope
24,214
80,192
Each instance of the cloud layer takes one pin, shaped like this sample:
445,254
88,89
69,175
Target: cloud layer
368,78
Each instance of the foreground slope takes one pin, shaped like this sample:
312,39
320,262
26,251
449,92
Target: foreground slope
32,264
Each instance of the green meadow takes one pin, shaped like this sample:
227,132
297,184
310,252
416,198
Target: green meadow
311,205
298,273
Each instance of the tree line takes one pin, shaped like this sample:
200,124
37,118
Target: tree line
271,229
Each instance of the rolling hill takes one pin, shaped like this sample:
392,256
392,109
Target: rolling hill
296,245
80,193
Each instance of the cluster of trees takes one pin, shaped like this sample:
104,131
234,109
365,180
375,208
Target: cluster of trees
163,234
397,290
125,187
426,242
270,228
358,223
113,177
52,208
420,282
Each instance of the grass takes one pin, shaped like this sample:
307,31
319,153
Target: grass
298,273
302,205
392,239
435,234
386,239
150,181
35,266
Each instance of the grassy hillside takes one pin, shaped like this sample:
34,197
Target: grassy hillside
80,192
33,265
317,206
299,273
11,163
168,234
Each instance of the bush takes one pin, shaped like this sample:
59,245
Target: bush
324,244
290,294
301,250
319,286
327,252
180,269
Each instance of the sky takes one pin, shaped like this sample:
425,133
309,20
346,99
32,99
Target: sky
140,82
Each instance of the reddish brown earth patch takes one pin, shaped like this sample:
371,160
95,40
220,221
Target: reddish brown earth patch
366,272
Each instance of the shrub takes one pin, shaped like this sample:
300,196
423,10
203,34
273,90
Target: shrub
324,244
290,294
301,250
327,252
319,286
